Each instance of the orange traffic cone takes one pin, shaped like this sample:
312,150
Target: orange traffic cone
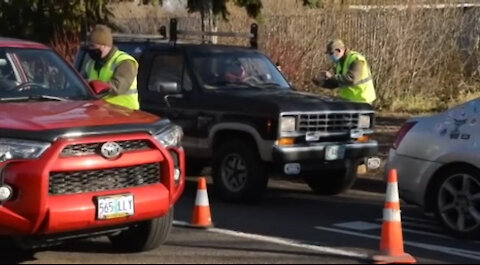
201,212
391,244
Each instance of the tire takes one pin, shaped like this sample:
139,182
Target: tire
454,201
332,182
10,245
239,175
144,236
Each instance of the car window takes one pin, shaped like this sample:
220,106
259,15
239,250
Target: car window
168,68
28,72
217,70
134,49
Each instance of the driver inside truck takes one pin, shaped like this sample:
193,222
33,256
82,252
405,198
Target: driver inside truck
234,71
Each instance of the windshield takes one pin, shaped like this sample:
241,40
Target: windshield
239,70
37,74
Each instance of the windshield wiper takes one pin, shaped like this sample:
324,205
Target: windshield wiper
39,97
230,83
269,85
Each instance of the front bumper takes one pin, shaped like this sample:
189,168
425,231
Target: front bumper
309,158
34,211
316,152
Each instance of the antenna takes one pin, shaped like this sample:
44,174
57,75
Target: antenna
173,30
84,27
254,38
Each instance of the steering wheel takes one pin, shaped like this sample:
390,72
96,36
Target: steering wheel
252,78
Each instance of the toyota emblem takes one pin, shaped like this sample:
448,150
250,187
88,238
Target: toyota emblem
111,150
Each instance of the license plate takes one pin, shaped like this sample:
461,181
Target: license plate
334,152
116,206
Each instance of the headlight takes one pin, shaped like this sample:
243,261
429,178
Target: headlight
170,136
287,124
364,122
21,149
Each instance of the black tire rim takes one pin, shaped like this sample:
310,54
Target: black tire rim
234,172
459,202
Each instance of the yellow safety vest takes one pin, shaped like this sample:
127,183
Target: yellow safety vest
363,90
128,100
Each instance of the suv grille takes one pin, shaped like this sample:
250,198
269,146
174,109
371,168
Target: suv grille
328,123
90,149
104,179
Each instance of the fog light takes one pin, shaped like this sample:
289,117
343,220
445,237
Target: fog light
374,163
292,168
176,176
5,193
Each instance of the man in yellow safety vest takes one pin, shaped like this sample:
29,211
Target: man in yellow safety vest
351,75
108,64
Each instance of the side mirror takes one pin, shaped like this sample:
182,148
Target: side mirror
99,87
168,88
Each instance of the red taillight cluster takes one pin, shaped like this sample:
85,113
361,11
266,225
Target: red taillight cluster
402,133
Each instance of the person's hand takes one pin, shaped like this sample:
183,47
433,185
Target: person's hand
326,75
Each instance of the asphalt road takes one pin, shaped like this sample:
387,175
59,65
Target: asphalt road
290,226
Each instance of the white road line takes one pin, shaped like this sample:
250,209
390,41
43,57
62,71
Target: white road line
358,225
291,243
364,226
475,255
180,223
284,242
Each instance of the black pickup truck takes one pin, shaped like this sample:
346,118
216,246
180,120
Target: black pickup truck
241,116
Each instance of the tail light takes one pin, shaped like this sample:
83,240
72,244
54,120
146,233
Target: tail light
402,133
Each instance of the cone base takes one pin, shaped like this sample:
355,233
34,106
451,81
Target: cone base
397,259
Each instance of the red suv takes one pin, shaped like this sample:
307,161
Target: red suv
72,165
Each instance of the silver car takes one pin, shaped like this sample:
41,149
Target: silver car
438,162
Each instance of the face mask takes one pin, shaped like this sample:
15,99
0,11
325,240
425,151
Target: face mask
95,54
333,58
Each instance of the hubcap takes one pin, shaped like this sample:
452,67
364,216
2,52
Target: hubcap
459,202
234,172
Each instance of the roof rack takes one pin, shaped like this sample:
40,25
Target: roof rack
174,32
143,37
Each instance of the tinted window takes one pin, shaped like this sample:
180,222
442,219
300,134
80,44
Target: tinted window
168,69
29,72
217,70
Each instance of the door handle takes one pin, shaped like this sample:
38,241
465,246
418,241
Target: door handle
174,96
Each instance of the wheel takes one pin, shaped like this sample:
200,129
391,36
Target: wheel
332,182
144,236
238,173
457,201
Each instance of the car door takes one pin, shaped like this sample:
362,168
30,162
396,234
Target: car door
165,88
